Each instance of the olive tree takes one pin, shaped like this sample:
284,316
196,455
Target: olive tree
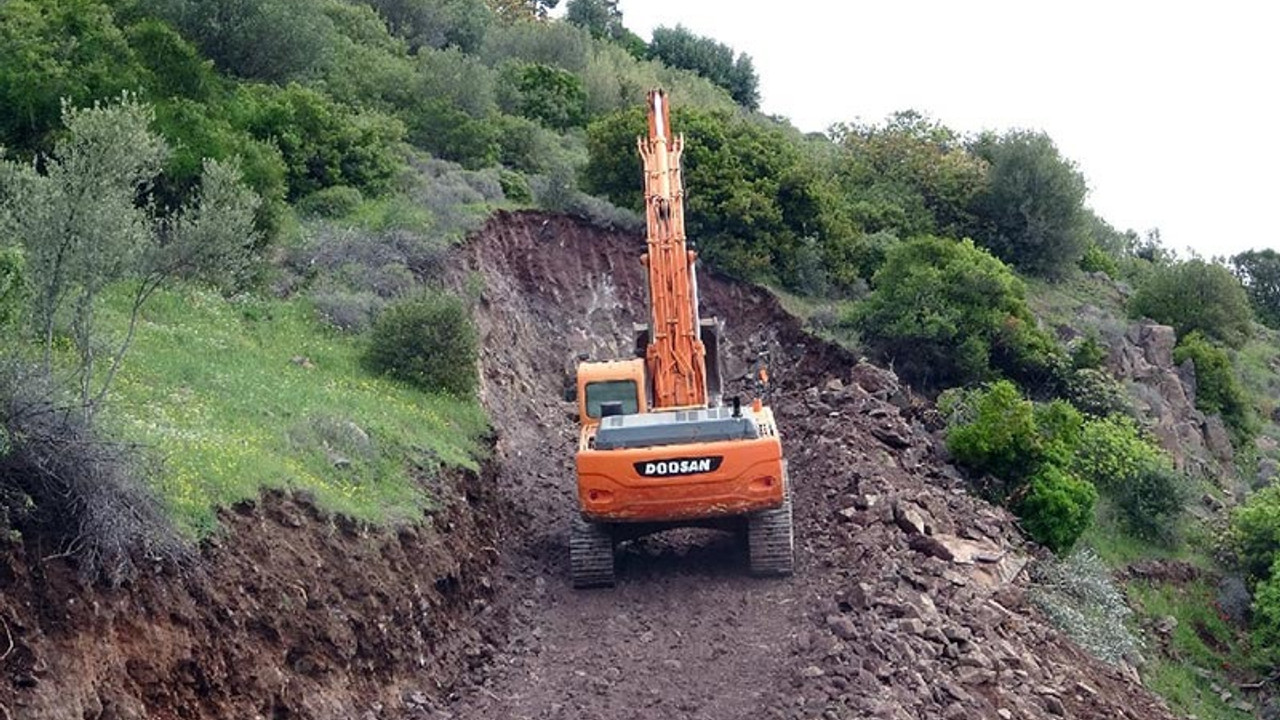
78,216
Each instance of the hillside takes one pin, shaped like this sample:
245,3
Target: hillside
289,292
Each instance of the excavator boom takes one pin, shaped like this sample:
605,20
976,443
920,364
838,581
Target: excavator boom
675,357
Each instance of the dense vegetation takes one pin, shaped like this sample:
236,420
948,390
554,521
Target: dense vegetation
182,177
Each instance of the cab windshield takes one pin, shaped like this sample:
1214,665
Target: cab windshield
621,391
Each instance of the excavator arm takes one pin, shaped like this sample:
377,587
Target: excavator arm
675,357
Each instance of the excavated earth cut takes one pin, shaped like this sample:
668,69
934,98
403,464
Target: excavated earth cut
908,599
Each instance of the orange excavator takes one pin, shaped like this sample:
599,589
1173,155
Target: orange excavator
657,448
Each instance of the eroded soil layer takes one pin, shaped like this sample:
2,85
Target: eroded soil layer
291,614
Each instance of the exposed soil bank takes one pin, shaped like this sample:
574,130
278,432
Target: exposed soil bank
291,615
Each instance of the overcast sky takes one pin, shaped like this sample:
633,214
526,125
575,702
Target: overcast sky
1170,109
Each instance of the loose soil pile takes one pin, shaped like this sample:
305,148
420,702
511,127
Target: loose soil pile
908,600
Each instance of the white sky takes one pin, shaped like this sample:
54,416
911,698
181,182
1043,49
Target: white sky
1170,109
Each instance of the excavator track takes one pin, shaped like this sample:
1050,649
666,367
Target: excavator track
590,554
771,539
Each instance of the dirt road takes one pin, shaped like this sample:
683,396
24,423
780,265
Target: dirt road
889,614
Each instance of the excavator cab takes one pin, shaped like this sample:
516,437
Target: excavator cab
657,448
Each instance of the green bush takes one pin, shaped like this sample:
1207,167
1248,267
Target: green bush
1218,390
1255,532
322,142
1095,259
1265,625
993,430
1138,477
549,95
946,313
1087,353
427,341
1195,295
331,202
1057,508
1152,503
1096,392
515,186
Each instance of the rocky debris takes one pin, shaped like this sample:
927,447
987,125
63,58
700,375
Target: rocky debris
909,599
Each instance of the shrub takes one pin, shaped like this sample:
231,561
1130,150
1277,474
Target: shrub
1266,614
1149,493
61,480
331,202
1088,353
1217,388
427,341
1255,532
993,430
515,186
1195,295
1057,508
1079,596
945,312
349,311
1095,259
1095,392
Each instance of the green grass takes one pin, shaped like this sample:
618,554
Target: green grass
210,386
1202,647
822,317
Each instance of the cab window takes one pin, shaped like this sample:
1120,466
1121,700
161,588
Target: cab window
623,391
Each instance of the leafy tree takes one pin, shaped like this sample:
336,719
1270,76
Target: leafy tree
752,194
678,47
945,312
271,40
514,10
52,50
1259,272
1217,388
1031,213
196,132
911,176
550,95
174,66
601,17
461,24
1195,296
322,143
83,230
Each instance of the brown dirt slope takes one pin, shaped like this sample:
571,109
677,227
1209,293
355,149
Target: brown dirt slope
291,615
908,601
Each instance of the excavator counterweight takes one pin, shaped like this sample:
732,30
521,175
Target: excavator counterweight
656,447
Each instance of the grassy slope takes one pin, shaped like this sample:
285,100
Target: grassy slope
211,385
1204,650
